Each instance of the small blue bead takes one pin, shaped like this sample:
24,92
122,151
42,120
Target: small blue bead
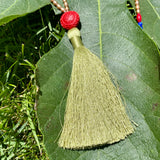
140,24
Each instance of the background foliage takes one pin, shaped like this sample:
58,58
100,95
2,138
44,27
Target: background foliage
130,54
22,43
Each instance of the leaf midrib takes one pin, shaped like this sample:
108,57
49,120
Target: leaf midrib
100,28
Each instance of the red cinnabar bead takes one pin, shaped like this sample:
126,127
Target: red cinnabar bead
139,17
69,20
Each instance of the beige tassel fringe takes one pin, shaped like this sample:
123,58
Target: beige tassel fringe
95,114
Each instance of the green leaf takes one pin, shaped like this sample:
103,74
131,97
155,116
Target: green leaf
110,32
150,11
12,9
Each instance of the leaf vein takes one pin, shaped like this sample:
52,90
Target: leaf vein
133,44
9,7
154,9
100,28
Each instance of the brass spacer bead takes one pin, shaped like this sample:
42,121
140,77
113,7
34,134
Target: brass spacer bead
62,9
137,11
59,6
55,2
136,2
137,7
67,8
65,4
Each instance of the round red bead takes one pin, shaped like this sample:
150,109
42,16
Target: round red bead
69,20
139,17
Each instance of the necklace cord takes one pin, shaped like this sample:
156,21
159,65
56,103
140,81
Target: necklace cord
66,5
56,4
138,16
137,6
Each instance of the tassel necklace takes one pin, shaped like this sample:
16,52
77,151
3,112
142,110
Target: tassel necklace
95,114
138,17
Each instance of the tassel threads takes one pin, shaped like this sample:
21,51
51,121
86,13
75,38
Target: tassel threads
94,113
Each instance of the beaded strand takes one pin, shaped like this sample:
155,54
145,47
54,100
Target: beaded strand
66,9
66,5
138,17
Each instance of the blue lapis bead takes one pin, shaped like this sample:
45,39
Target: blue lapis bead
140,24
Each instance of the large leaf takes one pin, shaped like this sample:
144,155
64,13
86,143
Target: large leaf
150,10
108,30
12,9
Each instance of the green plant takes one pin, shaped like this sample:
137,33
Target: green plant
23,41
